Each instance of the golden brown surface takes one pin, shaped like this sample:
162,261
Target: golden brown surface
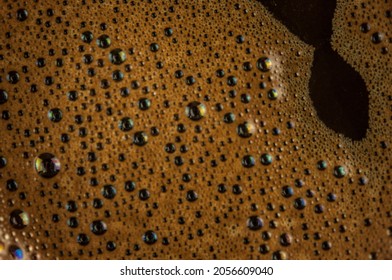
201,197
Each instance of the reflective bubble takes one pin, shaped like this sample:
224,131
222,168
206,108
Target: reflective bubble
3,96
195,110
285,239
255,223
150,237
16,252
11,185
47,165
103,41
19,219
339,171
3,162
279,255
246,129
287,191
55,115
98,227
273,94
299,203
125,124
264,64
87,36
140,138
191,196
248,161
21,14
109,191
83,239
322,165
266,159
117,56
13,77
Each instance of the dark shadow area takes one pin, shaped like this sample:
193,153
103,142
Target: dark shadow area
338,92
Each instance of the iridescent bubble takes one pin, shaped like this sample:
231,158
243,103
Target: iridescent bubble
191,196
273,94
264,64
21,15
339,171
83,239
15,252
3,96
117,56
87,36
246,129
266,159
55,115
104,41
47,165
195,111
125,124
248,161
300,203
109,191
255,223
98,227
140,138
150,237
322,165
19,219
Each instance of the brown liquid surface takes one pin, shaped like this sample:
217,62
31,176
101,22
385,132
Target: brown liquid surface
200,200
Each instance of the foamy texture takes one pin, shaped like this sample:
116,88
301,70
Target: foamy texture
244,173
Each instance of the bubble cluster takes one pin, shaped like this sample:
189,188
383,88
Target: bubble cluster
185,130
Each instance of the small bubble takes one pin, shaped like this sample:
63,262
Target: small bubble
229,118
266,159
322,165
255,223
117,56
87,36
19,219
109,191
377,37
168,31
13,77
299,203
144,103
15,252
55,115
287,191
98,227
140,138
279,255
339,171
286,239
3,162
326,245
150,237
22,14
191,196
125,124
3,96
365,27
195,111
47,165
232,81
12,186
264,64
104,41
154,47
248,161
246,129
273,94
83,239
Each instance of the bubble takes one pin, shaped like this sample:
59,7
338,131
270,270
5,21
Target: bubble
144,194
279,255
248,161
71,206
255,223
287,191
11,185
168,32
246,129
273,94
111,246
21,14
109,191
3,96
326,245
55,115
140,138
195,111
19,219
377,37
117,76
264,64
322,165
125,124
232,81
266,159
47,165
299,203
117,56
98,227
3,162
264,249
154,47
150,237
229,118
191,196
339,171
129,186
13,77
285,239
83,239
16,252
104,41
144,103
87,37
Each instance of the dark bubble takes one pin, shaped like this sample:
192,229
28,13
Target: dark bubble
104,41
339,171
47,165
195,110
144,103
129,186
22,14
109,191
140,138
125,124
117,75
279,255
55,115
83,239
3,96
15,252
264,64
246,129
154,47
168,32
3,162
229,118
111,246
11,185
287,191
273,94
117,56
144,194
191,196
285,239
87,36
255,223
299,203
13,77
98,227
377,37
266,159
150,237
248,161
322,165
232,81
71,206
19,219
